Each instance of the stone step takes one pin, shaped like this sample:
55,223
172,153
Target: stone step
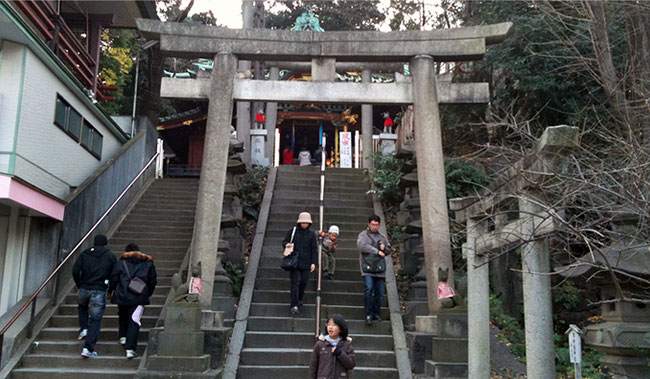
274,259
281,339
171,197
341,298
71,333
157,298
452,350
70,361
345,243
189,205
347,236
298,324
359,218
280,199
67,373
328,170
179,181
445,369
289,192
69,321
301,372
133,234
162,213
347,275
148,228
109,347
302,357
348,312
111,309
161,241
162,252
330,285
350,182
330,210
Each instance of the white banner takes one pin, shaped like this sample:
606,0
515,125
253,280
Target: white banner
346,149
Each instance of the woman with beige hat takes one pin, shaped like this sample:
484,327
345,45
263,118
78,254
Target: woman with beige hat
304,244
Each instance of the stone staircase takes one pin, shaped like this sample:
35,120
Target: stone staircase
161,224
278,345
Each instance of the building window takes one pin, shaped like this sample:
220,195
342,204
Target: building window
71,122
98,139
74,124
61,113
87,135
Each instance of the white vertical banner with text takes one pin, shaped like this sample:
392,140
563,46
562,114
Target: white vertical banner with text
346,149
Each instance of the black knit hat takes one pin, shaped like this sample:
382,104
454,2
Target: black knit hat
100,240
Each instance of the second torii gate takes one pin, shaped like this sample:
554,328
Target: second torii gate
420,48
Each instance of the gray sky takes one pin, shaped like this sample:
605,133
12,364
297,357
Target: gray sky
228,12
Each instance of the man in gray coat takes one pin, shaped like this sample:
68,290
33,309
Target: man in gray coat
370,241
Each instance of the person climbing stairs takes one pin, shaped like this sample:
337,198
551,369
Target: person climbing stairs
165,233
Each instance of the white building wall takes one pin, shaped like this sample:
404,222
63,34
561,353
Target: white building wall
11,69
47,157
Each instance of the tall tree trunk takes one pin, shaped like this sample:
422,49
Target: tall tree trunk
609,80
638,36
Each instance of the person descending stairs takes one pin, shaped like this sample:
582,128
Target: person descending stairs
279,345
161,223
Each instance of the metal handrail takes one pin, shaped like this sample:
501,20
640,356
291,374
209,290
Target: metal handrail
32,299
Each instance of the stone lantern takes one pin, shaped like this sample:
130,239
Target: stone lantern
625,334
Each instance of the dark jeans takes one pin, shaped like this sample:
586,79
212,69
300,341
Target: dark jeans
128,328
92,304
373,293
299,279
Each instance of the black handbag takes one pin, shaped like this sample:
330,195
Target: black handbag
372,263
290,262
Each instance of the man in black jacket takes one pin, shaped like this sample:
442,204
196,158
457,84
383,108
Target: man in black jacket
91,273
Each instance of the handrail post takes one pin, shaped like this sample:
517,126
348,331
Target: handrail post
320,239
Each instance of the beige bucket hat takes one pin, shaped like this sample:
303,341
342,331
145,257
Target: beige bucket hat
304,217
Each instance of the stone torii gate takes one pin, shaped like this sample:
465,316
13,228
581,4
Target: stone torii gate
420,48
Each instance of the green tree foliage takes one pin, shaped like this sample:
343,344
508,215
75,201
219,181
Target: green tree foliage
251,190
333,15
386,174
119,48
463,178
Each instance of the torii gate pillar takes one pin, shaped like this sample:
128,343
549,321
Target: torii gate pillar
207,222
431,176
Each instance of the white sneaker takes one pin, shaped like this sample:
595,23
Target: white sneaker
82,334
122,340
131,354
88,354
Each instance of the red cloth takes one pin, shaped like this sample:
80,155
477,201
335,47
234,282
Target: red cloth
260,118
388,122
445,291
287,157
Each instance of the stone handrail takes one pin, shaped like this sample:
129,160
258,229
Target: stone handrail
394,307
243,309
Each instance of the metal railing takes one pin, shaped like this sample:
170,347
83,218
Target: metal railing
32,299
